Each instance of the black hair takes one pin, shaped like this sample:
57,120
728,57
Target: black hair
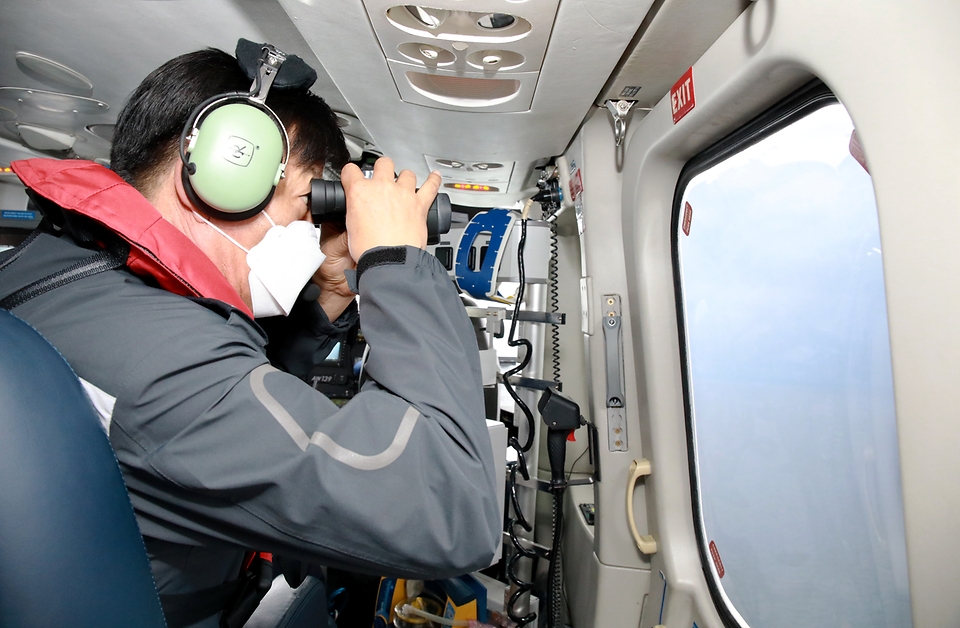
148,128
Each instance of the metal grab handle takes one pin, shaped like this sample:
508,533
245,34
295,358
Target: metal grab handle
638,469
619,111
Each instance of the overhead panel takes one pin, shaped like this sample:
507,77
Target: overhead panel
570,47
667,44
481,57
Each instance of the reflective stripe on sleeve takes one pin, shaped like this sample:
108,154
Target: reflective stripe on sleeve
338,452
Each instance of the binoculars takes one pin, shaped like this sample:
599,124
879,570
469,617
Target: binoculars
329,204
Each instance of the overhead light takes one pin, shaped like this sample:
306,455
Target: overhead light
471,187
42,138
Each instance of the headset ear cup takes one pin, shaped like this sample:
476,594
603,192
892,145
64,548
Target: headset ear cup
233,159
209,210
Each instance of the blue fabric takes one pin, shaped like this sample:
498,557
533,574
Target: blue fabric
72,554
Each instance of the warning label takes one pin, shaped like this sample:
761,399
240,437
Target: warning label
687,218
682,96
576,184
716,558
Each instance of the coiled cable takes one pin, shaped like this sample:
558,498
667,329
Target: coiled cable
553,299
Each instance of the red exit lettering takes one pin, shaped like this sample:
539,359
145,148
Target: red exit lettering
682,96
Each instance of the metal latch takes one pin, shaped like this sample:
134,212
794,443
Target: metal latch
613,352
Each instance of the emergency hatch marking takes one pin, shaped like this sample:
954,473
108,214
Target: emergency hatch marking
102,402
687,218
338,452
715,553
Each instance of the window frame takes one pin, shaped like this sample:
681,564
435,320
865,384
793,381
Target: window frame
809,98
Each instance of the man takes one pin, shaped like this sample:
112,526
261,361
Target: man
222,452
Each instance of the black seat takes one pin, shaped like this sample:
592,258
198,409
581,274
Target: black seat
70,550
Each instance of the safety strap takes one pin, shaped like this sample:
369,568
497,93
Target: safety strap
112,257
96,263
13,255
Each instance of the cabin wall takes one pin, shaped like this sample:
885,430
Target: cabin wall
604,570
895,68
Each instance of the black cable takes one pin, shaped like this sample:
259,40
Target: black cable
522,587
520,552
555,574
574,465
521,342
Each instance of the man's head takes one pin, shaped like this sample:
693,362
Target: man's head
146,154
149,126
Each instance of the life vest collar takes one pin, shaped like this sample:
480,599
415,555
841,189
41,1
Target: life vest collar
158,250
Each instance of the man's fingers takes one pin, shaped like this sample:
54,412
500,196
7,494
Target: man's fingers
428,191
383,169
407,179
349,174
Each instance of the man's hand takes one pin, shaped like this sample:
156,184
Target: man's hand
335,296
385,212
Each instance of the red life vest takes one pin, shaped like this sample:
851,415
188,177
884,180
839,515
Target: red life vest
158,250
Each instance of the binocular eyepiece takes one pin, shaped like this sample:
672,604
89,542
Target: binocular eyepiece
329,204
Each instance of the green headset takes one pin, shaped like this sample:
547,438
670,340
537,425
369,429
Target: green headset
234,148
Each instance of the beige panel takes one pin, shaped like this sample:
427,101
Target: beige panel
599,596
871,55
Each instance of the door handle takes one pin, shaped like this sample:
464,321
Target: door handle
638,469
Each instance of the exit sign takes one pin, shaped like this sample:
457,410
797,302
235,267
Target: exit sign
682,98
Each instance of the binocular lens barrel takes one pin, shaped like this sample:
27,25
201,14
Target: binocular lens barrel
329,204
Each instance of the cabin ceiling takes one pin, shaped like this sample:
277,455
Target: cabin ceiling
428,97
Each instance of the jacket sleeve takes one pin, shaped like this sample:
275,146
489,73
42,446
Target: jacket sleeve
398,481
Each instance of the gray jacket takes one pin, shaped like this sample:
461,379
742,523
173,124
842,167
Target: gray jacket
222,452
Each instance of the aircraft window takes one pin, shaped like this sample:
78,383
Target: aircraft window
788,388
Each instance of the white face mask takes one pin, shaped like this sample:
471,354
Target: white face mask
280,265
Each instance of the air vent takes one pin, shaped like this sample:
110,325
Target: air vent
470,26
463,55
498,60
427,54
